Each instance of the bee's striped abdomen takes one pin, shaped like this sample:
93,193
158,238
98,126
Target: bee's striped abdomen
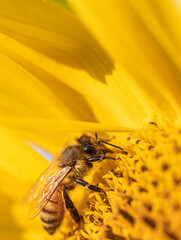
52,214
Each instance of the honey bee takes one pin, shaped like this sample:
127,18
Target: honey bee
49,197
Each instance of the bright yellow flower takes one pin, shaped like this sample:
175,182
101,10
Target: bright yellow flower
106,66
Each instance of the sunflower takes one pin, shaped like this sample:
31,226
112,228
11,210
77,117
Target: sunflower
84,66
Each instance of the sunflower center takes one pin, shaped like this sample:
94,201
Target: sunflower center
144,200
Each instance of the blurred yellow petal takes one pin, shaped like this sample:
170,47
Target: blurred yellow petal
54,125
118,27
52,133
21,166
22,93
29,96
100,66
100,97
16,174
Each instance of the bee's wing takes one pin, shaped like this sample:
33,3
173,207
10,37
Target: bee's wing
35,188
43,189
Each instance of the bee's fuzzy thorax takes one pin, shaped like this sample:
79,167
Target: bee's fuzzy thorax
80,170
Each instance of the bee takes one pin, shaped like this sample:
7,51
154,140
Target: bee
49,195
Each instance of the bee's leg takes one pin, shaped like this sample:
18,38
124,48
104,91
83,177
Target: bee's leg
91,187
73,211
100,158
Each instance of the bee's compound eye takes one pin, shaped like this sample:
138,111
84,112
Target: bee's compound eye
89,149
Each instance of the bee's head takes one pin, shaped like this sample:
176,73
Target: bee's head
91,146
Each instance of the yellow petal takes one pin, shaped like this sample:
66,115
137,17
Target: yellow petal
107,106
20,165
118,27
53,133
22,93
96,82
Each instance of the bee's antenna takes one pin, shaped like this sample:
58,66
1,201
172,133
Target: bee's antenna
96,135
106,142
110,144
